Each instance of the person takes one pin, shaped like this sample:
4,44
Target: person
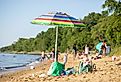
42,55
57,68
74,51
65,58
103,48
52,53
86,49
86,64
86,59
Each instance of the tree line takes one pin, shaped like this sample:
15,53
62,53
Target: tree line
105,25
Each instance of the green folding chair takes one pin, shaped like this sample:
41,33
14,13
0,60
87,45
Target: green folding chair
86,68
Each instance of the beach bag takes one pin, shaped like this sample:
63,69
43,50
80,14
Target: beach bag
56,69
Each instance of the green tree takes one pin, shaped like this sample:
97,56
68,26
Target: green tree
112,6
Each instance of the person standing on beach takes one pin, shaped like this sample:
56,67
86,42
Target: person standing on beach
43,55
52,53
74,51
86,50
103,47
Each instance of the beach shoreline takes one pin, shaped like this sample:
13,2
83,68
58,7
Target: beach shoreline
16,69
13,62
106,71
23,71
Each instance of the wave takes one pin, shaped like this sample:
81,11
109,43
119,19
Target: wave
31,63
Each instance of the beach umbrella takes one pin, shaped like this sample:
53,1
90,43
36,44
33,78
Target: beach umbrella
57,19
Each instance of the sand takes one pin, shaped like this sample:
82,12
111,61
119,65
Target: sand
106,71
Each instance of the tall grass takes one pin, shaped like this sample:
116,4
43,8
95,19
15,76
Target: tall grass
116,52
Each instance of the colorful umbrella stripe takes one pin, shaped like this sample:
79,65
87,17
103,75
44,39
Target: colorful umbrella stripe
58,19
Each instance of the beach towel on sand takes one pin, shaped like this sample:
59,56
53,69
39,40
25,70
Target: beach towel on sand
56,69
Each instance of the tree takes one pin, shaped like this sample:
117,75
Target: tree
105,13
92,19
112,6
109,28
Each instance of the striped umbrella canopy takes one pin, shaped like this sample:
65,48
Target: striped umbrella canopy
57,19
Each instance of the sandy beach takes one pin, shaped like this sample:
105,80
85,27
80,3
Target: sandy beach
106,71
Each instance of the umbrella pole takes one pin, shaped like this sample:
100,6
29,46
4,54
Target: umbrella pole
56,47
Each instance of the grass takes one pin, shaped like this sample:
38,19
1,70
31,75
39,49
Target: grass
116,52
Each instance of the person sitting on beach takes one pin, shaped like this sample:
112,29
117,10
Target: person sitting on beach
65,58
81,55
86,59
44,56
101,47
85,64
58,68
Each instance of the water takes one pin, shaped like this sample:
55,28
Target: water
10,61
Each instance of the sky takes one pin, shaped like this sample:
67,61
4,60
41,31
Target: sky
16,15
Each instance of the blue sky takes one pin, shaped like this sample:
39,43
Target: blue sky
16,15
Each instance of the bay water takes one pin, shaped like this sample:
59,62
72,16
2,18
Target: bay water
13,61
